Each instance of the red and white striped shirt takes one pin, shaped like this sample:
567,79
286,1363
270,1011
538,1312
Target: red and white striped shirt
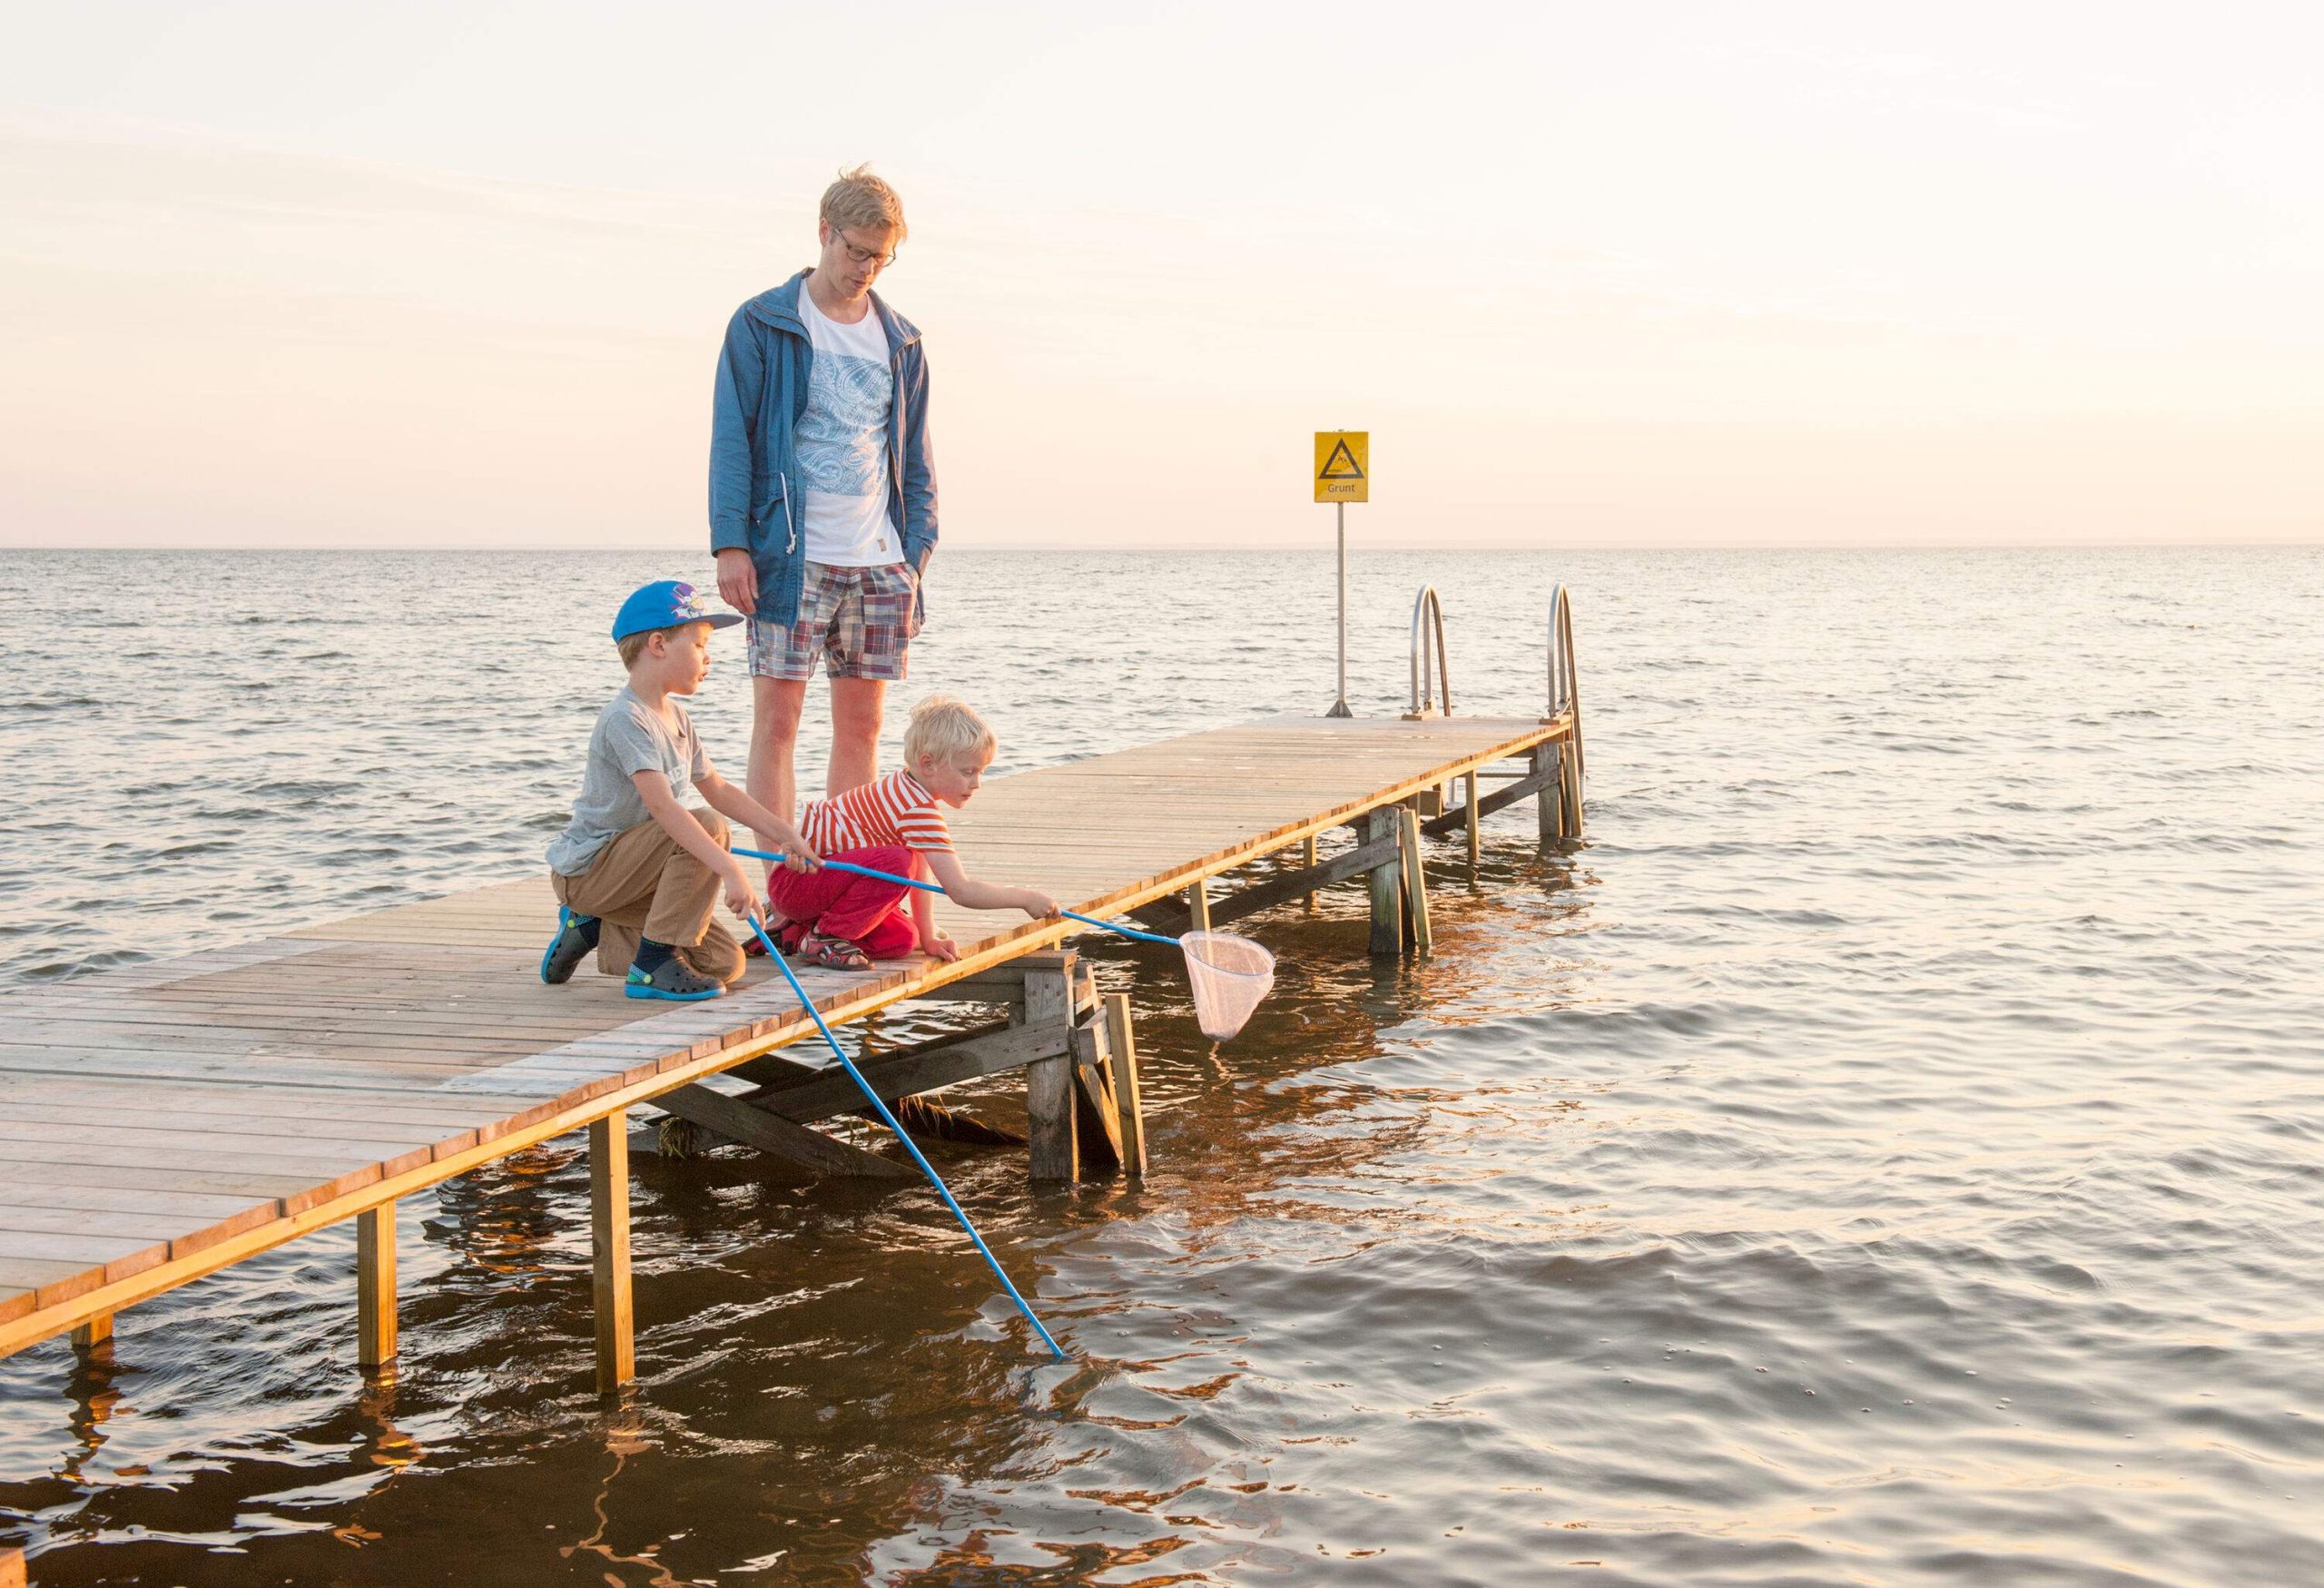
896,810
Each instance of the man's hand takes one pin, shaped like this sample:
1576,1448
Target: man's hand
742,896
738,581
939,945
1036,904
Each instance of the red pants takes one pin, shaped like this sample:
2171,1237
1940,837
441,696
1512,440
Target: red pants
864,911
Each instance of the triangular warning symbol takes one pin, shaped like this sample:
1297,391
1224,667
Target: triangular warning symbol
1332,468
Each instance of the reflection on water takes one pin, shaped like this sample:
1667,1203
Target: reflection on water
1886,1152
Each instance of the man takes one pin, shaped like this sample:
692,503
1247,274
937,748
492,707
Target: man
823,490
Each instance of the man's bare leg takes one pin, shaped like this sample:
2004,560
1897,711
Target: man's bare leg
856,706
775,706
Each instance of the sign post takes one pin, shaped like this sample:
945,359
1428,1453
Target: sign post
1342,474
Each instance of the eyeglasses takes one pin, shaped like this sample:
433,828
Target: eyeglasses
864,256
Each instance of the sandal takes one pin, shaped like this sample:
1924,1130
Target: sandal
833,953
786,940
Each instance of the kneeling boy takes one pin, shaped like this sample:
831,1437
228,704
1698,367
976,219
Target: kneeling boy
843,922
638,875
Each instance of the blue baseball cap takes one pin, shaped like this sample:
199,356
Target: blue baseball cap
666,604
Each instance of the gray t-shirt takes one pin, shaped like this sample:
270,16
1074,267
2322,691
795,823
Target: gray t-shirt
630,737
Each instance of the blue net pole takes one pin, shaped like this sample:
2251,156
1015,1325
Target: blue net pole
926,1168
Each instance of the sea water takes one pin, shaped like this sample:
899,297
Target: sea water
1889,1149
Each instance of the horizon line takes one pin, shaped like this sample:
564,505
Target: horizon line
470,548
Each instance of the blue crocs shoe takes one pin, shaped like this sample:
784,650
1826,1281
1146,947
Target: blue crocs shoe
672,981
573,943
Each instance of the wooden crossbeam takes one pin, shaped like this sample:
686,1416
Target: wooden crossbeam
1171,919
821,1094
781,1137
1508,793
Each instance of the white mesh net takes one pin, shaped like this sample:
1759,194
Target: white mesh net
1230,974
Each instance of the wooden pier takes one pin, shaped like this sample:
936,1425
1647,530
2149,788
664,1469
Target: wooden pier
168,1121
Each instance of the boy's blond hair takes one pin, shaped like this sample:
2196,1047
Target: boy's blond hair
860,199
944,727
633,645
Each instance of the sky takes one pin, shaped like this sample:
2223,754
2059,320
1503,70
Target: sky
1653,275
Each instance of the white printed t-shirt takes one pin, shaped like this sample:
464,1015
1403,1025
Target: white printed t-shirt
843,441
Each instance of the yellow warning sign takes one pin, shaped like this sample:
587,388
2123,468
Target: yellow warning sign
1342,466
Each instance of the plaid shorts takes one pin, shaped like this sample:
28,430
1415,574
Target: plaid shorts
860,621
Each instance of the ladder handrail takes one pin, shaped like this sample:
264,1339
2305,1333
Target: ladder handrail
1565,683
1423,703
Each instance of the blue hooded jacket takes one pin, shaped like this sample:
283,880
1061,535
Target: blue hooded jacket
760,393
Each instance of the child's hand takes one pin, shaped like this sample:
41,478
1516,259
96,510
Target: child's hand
797,855
939,945
742,896
1037,904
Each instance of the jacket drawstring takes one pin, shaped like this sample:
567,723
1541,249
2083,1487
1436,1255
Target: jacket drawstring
788,525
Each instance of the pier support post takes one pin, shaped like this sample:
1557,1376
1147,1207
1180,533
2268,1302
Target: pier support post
1550,803
1199,904
1569,790
94,1338
12,1568
1387,884
609,1240
1415,882
375,1287
1469,810
1050,1122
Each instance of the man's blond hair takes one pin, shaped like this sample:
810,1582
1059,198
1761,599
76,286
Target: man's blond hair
944,727
860,199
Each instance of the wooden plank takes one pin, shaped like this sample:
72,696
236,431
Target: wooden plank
107,1257
52,1282
375,1287
177,1207
223,1179
1096,1115
1121,1057
1052,1144
1416,879
1570,786
772,1133
86,1222
609,1250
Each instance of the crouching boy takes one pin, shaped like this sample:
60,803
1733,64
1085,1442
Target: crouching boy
636,873
843,922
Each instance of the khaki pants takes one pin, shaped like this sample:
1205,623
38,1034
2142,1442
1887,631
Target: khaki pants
643,884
